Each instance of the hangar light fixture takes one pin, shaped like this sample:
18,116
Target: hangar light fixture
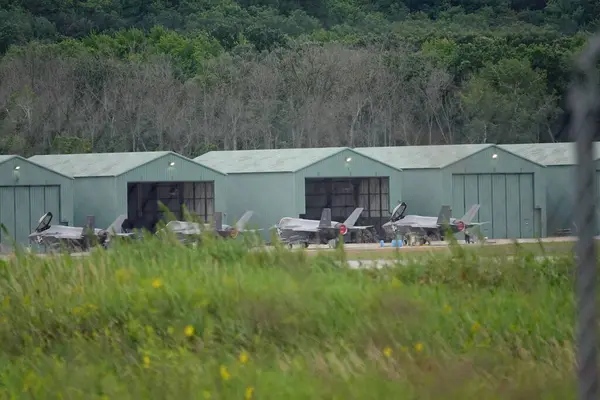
494,156
172,163
348,159
16,173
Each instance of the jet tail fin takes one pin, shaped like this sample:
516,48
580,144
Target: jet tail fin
218,220
243,220
351,220
325,221
468,217
444,215
117,225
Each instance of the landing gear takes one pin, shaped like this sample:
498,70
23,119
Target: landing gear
412,239
333,243
433,237
302,244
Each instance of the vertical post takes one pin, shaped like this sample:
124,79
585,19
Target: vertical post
583,100
89,231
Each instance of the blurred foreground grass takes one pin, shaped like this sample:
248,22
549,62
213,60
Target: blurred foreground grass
156,320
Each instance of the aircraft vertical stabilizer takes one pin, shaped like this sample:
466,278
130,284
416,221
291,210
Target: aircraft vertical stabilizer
468,217
243,220
351,220
325,221
117,225
444,215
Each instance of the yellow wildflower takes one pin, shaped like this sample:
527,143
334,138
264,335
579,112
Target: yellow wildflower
447,308
387,352
243,357
146,362
419,347
189,331
224,373
475,327
156,283
249,392
206,394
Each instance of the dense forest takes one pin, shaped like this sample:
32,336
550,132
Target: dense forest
192,76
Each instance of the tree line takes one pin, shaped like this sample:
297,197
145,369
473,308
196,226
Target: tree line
191,77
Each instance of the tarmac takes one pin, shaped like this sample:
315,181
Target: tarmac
442,245
358,247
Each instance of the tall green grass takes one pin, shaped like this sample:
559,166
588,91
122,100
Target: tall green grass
157,320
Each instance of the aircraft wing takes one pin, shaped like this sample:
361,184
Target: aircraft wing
422,226
300,228
360,227
58,235
478,223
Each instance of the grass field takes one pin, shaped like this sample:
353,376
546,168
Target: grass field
156,320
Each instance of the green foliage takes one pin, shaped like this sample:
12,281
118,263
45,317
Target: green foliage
71,145
506,103
155,319
449,56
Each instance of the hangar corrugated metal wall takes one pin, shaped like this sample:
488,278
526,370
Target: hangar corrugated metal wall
27,191
560,160
101,179
507,201
300,182
509,188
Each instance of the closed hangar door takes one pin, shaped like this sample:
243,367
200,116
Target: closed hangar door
21,207
507,203
343,195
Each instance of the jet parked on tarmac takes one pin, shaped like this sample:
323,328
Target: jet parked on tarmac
324,231
426,228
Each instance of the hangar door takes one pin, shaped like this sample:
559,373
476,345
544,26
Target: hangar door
507,201
21,207
143,199
343,195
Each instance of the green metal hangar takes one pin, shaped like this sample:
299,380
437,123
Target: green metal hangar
560,160
27,191
301,182
509,188
111,184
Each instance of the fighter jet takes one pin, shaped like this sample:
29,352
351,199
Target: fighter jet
185,230
305,231
427,229
73,237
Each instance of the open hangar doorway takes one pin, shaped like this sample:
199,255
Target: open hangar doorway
143,211
343,195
